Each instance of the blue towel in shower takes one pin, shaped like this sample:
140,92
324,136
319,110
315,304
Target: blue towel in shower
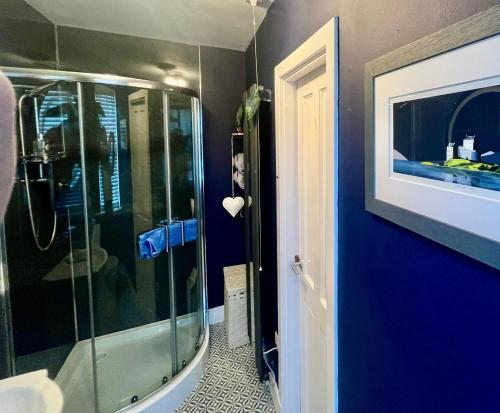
175,234
152,243
190,230
180,232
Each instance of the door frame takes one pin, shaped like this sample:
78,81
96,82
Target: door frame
321,49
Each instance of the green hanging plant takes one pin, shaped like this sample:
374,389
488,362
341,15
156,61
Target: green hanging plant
247,110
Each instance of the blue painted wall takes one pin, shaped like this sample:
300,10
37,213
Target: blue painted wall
223,83
419,324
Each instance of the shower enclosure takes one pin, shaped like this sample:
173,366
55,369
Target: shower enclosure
101,160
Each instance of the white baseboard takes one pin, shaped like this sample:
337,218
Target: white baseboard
216,315
275,393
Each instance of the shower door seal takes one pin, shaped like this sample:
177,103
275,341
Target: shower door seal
200,209
171,274
81,124
7,360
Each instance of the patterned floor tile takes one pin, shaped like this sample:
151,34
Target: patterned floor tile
230,383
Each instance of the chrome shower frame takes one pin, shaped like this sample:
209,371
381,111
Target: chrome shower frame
7,362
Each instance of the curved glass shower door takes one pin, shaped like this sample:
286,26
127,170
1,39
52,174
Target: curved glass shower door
105,161
185,261
127,195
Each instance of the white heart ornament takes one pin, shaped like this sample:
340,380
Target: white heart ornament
233,205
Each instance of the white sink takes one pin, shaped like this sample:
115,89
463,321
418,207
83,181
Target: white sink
30,393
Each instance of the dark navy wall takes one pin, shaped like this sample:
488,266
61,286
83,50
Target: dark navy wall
223,83
419,324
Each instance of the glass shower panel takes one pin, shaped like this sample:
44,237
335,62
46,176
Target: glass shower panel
126,181
44,227
183,205
100,163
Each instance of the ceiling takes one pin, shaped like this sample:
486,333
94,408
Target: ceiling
217,23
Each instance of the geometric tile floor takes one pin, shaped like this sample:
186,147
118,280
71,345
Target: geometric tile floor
230,383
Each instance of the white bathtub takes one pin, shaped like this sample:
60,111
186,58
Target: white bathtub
132,363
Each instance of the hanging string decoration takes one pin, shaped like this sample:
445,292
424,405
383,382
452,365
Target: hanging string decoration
231,203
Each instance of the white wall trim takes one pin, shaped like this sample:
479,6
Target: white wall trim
320,49
216,315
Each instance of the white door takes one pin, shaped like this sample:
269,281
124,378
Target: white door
313,193
306,193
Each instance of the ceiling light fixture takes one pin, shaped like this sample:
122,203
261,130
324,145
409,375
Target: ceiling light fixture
175,80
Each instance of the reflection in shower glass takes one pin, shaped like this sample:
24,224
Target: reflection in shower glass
130,296
44,229
185,264
106,98
98,165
